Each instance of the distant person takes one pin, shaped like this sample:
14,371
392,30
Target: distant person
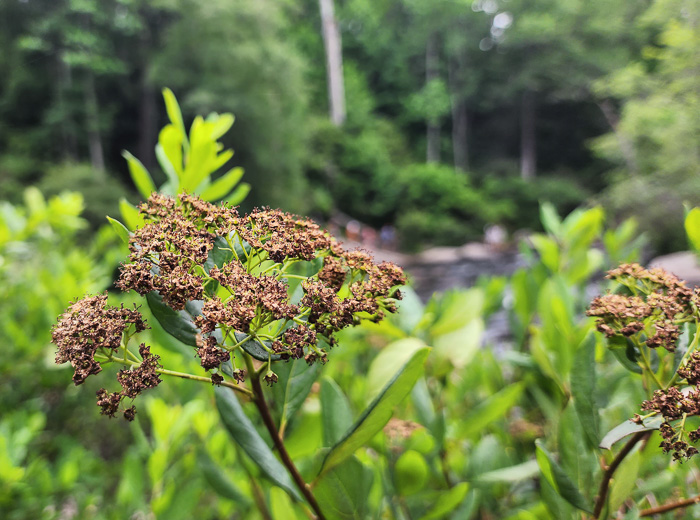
352,230
387,236
369,237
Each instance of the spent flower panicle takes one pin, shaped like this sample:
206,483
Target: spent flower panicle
269,277
654,307
649,307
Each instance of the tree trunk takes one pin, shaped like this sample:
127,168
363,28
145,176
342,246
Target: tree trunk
432,72
334,62
528,138
147,106
63,84
93,125
460,135
460,116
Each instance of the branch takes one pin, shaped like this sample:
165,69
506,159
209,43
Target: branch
605,483
670,506
259,400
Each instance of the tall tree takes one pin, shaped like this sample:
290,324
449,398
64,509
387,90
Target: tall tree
334,62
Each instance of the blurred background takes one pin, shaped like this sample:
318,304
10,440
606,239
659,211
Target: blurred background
405,124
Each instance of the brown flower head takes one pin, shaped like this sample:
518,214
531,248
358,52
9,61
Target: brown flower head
88,325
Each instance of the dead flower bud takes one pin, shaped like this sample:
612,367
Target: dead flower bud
271,378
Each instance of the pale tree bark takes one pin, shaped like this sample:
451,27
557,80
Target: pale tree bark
93,125
334,62
460,116
528,137
432,72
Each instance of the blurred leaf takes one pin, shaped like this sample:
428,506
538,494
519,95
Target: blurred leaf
343,491
559,480
583,387
120,229
624,481
295,379
459,346
378,413
388,361
629,427
131,216
174,114
336,413
219,481
511,474
489,410
142,179
239,194
550,219
247,437
692,228
222,124
281,506
410,473
223,185
448,502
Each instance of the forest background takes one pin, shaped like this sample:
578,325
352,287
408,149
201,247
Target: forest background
457,114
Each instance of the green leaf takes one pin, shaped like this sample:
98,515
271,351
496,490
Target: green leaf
223,185
295,380
550,219
221,125
120,229
179,324
511,474
378,413
629,427
559,480
692,228
624,481
281,506
173,110
583,386
390,359
625,352
170,187
169,154
343,491
336,413
489,410
247,437
142,179
218,480
447,502
130,215
239,194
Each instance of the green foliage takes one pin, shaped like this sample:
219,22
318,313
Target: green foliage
190,161
654,146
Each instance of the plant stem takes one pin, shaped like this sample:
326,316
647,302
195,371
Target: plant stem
670,506
605,483
259,400
183,375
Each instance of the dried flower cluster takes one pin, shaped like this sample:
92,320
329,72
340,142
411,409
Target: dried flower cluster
239,269
656,305
171,254
90,326
675,405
